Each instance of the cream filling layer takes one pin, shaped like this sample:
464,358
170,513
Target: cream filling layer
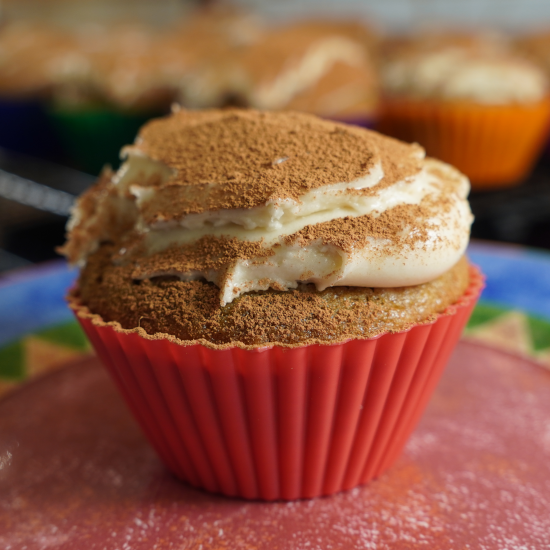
377,262
275,214
159,238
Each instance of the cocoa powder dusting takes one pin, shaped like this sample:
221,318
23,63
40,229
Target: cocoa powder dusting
207,253
400,226
103,216
242,159
350,233
400,161
236,159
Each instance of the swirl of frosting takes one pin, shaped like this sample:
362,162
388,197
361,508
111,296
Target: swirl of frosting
251,200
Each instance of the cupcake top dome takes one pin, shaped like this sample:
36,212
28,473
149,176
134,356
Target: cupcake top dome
251,200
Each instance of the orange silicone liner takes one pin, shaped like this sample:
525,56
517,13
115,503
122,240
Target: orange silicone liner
280,423
494,145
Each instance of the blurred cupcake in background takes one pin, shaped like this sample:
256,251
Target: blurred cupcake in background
26,52
125,68
470,100
321,67
83,87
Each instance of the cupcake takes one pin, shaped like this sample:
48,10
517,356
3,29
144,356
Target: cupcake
470,101
275,295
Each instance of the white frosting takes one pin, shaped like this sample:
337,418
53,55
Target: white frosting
377,263
274,214
456,73
434,215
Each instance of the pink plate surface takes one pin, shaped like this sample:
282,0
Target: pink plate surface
75,472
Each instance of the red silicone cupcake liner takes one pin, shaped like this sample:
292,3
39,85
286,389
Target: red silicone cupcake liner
280,423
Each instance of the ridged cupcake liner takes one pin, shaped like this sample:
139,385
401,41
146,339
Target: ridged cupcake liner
278,422
494,145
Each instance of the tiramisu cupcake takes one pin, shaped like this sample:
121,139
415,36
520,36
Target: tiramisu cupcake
275,295
470,101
